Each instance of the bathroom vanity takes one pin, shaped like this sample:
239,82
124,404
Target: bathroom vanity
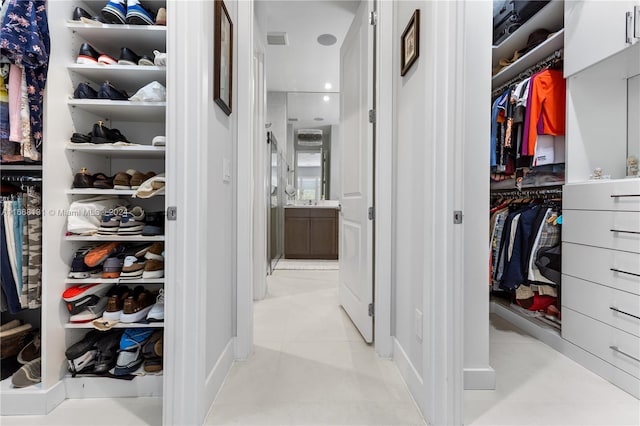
311,232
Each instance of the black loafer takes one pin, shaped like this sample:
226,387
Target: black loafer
107,91
79,14
80,138
102,134
84,91
128,57
87,55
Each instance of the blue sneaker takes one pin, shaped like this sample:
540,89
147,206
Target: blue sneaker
115,12
138,15
130,353
79,269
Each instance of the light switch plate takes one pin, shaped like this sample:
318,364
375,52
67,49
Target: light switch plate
226,170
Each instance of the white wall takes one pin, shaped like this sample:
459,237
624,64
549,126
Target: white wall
437,123
201,295
261,182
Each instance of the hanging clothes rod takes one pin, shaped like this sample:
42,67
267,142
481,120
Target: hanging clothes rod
547,62
528,193
20,179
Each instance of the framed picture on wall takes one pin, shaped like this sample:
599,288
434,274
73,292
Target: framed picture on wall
410,43
223,57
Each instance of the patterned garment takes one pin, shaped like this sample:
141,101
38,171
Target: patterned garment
548,236
24,41
34,277
25,252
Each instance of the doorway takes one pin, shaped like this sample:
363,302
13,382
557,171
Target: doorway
320,190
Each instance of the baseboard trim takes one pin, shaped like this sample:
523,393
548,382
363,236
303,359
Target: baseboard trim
217,376
479,378
410,375
30,401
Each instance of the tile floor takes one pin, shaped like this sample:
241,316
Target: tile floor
311,367
536,385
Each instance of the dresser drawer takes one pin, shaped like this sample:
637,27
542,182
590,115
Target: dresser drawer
614,346
614,307
604,195
617,269
613,230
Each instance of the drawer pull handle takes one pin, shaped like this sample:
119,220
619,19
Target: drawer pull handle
625,195
624,232
623,312
624,272
615,348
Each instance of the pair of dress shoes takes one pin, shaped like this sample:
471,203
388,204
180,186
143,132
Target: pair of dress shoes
99,135
106,91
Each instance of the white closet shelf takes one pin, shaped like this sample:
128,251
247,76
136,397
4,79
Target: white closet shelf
88,325
94,386
20,168
550,17
139,151
128,76
122,110
142,39
91,191
114,281
556,42
120,238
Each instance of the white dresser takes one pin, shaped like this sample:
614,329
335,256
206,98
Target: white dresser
601,276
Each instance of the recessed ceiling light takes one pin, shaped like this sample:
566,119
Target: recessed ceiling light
326,98
319,119
328,86
327,39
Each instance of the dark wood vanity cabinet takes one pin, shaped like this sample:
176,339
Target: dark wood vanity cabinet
310,233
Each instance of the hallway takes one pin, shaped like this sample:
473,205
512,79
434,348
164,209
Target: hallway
310,365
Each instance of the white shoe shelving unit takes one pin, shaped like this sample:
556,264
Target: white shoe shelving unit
139,122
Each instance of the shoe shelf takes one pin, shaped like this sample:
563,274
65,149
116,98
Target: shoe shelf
20,168
94,386
121,75
122,110
114,281
142,39
91,191
88,325
117,238
127,151
556,42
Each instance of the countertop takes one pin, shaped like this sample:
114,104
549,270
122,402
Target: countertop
327,204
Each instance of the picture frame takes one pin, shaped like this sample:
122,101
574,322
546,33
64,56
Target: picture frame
410,43
223,57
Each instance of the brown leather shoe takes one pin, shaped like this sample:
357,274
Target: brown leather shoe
122,180
155,252
138,178
137,306
83,179
153,269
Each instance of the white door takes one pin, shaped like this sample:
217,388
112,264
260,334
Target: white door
356,194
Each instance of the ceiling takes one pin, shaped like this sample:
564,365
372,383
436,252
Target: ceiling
306,107
304,65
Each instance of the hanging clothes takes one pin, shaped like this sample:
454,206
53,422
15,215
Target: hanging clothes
546,105
24,41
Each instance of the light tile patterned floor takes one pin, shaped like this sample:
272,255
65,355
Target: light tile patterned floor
311,365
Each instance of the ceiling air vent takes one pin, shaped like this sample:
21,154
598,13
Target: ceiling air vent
293,119
310,137
277,39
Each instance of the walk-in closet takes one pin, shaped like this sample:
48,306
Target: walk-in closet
564,236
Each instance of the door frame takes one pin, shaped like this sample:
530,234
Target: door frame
383,175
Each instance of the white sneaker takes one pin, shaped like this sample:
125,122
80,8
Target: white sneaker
157,311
